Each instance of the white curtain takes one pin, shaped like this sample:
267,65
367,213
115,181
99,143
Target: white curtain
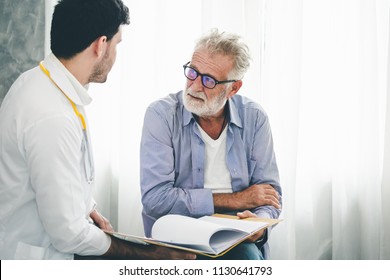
320,70
324,83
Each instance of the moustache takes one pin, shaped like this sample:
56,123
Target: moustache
196,94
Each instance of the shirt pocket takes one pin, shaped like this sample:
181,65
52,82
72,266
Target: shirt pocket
25,251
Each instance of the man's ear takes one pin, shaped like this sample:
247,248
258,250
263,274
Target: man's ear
235,88
100,46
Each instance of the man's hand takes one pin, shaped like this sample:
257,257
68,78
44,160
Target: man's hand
252,197
249,214
259,195
100,221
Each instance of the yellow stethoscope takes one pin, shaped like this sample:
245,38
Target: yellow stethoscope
87,156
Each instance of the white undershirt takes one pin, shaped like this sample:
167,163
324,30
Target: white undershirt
216,175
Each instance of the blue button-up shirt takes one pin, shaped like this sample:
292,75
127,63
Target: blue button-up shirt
173,158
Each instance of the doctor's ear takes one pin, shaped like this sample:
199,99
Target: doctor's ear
100,46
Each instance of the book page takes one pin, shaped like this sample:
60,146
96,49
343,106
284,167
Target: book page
182,230
129,237
223,240
244,225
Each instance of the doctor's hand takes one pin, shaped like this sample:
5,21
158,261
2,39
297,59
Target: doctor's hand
249,214
100,221
120,249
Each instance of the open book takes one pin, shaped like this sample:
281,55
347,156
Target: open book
209,235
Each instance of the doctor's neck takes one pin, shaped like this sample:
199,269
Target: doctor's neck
79,66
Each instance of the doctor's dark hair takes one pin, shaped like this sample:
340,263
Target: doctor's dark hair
77,23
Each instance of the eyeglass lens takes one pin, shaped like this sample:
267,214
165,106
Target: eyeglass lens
192,74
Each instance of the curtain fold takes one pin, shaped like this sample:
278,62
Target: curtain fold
385,198
358,153
329,131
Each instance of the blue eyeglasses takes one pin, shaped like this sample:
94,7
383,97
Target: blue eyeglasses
207,81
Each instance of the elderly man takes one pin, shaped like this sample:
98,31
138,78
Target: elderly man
207,149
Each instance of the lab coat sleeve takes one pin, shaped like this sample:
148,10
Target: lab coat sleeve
53,153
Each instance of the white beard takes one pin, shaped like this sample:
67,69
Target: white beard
205,108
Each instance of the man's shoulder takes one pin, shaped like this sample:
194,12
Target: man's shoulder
27,89
25,79
241,102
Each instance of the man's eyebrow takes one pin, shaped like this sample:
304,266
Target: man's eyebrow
206,74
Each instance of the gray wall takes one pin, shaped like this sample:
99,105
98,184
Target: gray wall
22,39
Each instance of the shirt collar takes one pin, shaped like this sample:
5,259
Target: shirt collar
66,81
234,116
187,116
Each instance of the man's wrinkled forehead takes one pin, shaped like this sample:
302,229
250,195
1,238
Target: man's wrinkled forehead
214,64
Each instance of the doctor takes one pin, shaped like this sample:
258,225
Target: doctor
46,166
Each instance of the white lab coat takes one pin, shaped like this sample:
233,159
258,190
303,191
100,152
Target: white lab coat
45,199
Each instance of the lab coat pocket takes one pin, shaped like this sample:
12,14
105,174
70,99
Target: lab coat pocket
26,251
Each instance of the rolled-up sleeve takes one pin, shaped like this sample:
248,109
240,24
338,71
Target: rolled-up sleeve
266,170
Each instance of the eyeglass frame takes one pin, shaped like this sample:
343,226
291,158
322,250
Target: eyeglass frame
185,66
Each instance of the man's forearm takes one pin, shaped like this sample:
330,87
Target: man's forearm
120,249
249,198
227,202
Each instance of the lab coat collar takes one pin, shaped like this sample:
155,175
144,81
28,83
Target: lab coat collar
66,81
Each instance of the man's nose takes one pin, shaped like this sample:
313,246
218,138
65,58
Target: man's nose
197,84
